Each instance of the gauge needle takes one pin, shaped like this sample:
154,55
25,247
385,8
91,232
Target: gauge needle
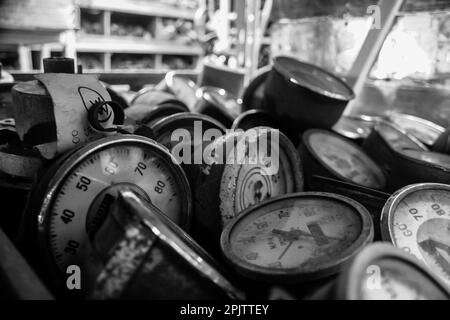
285,250
295,234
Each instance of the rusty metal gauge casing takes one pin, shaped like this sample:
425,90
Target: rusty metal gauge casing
417,166
150,257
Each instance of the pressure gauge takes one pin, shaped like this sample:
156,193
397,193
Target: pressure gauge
297,237
417,219
191,129
73,197
355,127
249,168
219,104
152,258
426,131
382,272
253,118
416,166
328,154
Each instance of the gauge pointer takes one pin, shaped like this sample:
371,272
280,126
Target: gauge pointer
285,250
295,234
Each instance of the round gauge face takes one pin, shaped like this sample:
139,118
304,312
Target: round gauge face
261,177
430,157
303,236
424,130
89,185
418,222
185,90
396,139
398,280
346,160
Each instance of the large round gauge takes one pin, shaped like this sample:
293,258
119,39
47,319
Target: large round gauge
382,272
334,156
297,237
417,219
75,195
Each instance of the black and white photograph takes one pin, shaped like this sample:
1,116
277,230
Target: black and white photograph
225,156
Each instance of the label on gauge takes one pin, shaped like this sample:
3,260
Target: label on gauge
72,96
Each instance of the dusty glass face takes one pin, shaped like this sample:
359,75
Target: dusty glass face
300,233
398,280
92,186
420,224
344,159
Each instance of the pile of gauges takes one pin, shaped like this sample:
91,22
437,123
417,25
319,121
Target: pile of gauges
200,194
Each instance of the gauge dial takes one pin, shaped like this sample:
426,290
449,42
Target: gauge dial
417,220
86,184
344,159
383,272
253,182
298,237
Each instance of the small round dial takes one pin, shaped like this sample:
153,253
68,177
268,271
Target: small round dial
261,176
344,159
299,236
417,220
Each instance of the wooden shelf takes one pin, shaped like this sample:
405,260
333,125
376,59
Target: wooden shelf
148,8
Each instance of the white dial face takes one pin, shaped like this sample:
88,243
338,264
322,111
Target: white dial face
304,233
91,187
420,225
344,159
397,280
